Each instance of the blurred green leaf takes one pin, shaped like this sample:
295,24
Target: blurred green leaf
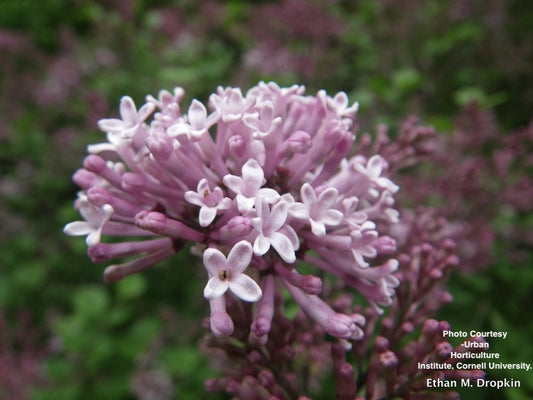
131,287
406,80
181,360
91,301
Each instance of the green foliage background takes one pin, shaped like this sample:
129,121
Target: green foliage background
394,60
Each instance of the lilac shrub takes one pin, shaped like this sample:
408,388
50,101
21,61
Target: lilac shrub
267,188
284,41
21,358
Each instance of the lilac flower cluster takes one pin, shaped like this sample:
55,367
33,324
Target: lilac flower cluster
295,358
261,183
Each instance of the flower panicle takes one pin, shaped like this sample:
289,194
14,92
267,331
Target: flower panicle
262,182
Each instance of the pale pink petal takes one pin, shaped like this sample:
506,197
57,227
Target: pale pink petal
253,176
244,203
194,198
216,194
299,210
215,288
328,198
261,245
239,257
291,234
317,228
234,183
207,215
263,211
374,166
178,129
269,195
197,115
93,238
128,111
245,288
331,217
283,246
224,204
214,261
78,228
111,125
341,100
145,111
278,216
203,185
308,194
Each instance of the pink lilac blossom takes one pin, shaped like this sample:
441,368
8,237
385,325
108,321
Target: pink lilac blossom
263,183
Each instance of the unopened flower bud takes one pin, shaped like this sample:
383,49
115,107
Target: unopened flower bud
237,146
299,142
237,226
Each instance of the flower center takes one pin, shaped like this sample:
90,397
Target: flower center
223,274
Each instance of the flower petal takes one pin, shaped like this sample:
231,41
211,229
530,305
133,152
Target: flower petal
214,261
331,217
374,166
261,245
308,194
299,211
193,198
288,231
318,228
78,228
244,203
283,246
203,185
328,197
245,288
269,195
215,288
239,257
128,111
253,176
93,238
207,215
197,115
145,111
278,216
233,182
111,125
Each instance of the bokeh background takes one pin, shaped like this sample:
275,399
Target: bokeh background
463,66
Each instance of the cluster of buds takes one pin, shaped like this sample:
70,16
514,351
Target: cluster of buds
398,373
261,184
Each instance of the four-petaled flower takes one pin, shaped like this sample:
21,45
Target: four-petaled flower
131,118
317,210
274,232
373,170
264,122
248,187
95,219
198,122
227,273
208,201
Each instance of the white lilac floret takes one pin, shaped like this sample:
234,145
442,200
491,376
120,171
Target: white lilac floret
261,183
227,273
